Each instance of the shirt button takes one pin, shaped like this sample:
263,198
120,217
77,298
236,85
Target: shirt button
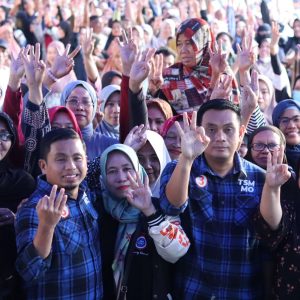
156,266
155,296
222,202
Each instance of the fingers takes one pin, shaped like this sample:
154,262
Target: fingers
179,129
124,37
280,155
63,203
204,137
37,53
75,52
133,182
67,49
59,198
269,162
186,123
193,125
52,195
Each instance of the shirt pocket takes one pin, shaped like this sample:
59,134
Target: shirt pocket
70,236
200,203
245,207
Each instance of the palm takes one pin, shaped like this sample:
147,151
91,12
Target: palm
277,175
17,66
218,63
128,52
277,172
193,139
192,144
139,71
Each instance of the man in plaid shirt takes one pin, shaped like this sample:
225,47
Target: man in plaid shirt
217,191
57,229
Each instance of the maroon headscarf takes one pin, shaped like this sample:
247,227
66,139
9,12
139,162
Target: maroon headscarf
56,109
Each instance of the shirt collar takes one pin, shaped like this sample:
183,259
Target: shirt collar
238,167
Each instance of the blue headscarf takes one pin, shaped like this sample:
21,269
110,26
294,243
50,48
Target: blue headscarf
281,107
120,209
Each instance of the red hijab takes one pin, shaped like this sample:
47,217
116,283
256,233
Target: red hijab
54,110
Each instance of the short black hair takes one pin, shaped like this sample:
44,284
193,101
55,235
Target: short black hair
94,17
165,51
59,134
217,104
109,76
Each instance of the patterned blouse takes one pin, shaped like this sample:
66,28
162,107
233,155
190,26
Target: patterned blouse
285,243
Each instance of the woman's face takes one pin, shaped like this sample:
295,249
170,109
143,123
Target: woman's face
185,50
264,97
51,54
80,102
266,137
116,29
117,167
289,124
264,49
156,118
62,120
149,160
173,141
112,109
4,145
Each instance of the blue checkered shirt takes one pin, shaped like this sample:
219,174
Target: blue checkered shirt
73,268
224,260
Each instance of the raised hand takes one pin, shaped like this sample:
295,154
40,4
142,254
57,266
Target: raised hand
140,69
223,88
88,43
245,55
156,74
6,216
139,195
64,63
34,67
275,38
50,208
277,172
128,51
193,138
218,59
249,95
136,137
17,69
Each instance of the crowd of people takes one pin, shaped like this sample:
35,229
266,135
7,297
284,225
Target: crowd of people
149,149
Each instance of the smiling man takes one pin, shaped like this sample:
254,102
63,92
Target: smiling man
57,229
217,193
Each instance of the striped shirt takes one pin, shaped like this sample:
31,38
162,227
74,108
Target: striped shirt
73,268
224,260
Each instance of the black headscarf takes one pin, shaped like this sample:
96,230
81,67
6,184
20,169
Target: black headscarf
15,185
67,29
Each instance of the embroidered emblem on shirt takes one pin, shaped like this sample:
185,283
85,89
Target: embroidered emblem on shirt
65,212
141,242
247,185
201,181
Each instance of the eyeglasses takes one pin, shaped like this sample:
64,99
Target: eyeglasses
284,121
5,136
76,102
261,147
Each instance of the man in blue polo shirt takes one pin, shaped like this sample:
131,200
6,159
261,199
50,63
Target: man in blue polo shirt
57,229
217,191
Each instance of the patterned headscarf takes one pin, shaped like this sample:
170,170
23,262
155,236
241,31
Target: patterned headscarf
187,88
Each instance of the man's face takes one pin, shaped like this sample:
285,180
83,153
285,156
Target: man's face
66,165
225,133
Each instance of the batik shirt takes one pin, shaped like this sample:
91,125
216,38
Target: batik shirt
73,268
224,260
